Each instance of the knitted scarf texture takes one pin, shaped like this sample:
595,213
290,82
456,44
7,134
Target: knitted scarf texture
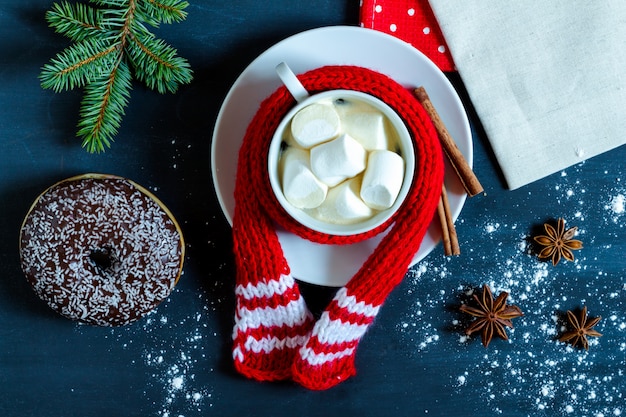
275,335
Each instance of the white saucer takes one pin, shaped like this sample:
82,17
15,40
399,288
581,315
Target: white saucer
332,265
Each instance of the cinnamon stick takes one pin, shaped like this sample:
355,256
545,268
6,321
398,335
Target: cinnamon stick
457,160
445,233
452,246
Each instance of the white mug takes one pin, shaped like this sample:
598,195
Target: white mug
403,145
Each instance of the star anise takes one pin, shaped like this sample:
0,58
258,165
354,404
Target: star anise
581,328
558,243
491,315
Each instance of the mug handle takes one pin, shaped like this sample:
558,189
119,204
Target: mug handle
292,83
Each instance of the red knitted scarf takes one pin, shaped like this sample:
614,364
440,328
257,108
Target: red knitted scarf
275,336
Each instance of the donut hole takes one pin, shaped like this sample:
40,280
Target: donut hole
102,258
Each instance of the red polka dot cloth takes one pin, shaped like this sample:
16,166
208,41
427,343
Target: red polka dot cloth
412,21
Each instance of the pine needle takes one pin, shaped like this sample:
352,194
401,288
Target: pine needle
112,45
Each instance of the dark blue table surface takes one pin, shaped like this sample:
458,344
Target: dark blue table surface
413,361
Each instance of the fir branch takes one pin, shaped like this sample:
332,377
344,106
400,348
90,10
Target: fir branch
112,45
166,11
77,65
77,21
103,104
157,64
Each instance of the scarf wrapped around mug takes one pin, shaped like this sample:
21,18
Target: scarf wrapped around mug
275,336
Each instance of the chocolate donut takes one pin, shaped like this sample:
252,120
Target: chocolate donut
101,249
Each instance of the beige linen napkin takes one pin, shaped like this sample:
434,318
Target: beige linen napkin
547,78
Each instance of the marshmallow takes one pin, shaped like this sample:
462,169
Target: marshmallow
368,128
382,179
315,124
335,161
300,187
343,205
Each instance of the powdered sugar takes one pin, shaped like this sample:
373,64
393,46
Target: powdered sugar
175,351
555,377
531,373
617,204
